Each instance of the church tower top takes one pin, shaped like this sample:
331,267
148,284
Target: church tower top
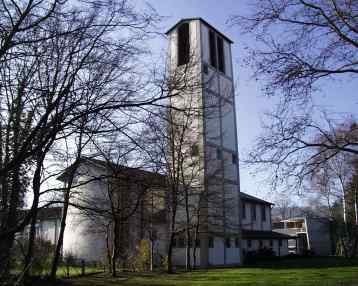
202,21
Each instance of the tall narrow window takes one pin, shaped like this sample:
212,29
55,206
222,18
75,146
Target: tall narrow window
212,49
211,242
219,154
237,243
221,56
228,242
183,44
253,212
263,212
243,208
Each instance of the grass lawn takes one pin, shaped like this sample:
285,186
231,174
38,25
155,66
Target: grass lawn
76,271
290,272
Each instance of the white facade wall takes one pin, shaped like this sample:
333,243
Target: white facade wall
49,230
258,223
83,236
217,253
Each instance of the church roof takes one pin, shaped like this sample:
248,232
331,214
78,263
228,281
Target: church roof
123,171
204,22
247,197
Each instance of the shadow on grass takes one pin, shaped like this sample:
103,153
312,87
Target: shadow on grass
313,262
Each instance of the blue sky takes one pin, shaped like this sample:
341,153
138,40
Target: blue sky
337,96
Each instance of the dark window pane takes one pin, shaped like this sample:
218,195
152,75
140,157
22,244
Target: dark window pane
249,243
181,242
212,48
205,69
243,210
280,242
221,56
183,44
228,243
219,154
253,212
263,213
211,242
236,242
261,243
234,159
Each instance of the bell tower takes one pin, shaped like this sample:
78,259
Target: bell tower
202,54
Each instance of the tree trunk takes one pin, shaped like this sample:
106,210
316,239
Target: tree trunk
7,243
109,258
115,248
356,206
36,183
196,238
59,244
170,254
30,248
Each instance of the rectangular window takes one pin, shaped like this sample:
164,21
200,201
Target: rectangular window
228,242
263,213
237,242
211,242
221,56
253,212
234,159
205,69
183,44
249,243
212,49
243,210
181,242
280,242
261,243
219,154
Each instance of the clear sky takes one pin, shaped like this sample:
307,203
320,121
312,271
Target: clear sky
338,96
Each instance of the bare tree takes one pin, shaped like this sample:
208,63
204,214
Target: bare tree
301,44
59,63
334,180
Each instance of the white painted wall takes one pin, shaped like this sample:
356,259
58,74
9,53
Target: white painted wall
233,254
83,237
49,230
216,254
228,125
258,224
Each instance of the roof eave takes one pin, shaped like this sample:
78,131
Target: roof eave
203,21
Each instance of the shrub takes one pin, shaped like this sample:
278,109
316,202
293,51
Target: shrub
141,261
42,255
262,254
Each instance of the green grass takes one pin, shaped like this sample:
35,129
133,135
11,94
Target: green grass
307,272
76,271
